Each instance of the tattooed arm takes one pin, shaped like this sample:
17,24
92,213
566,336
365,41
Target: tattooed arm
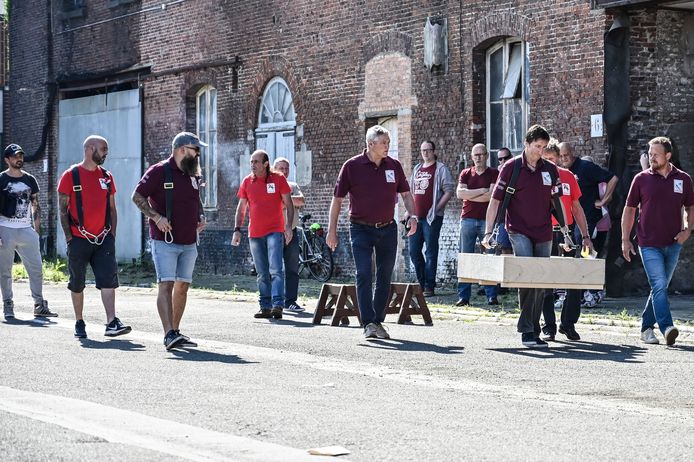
63,205
143,204
36,212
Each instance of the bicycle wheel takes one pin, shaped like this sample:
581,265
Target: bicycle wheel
321,264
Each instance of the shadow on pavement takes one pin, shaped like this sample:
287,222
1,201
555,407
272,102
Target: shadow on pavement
114,344
34,322
409,345
676,346
581,350
191,354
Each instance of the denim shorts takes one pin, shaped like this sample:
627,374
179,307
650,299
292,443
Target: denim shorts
174,262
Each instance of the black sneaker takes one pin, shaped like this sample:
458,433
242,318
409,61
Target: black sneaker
570,333
173,339
462,302
41,310
276,312
263,314
116,328
548,334
187,342
493,301
80,329
531,341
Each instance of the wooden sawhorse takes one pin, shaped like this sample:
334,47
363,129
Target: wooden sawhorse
340,300
407,300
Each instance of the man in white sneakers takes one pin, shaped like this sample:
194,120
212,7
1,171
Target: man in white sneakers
661,192
19,211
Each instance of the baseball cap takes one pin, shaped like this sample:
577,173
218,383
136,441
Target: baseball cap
186,139
12,150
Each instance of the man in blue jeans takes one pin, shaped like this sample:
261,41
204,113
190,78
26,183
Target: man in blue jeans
373,180
291,249
267,194
173,230
474,188
528,221
432,186
661,192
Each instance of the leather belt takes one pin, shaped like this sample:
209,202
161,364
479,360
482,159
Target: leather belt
373,225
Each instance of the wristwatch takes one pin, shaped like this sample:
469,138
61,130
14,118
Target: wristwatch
237,229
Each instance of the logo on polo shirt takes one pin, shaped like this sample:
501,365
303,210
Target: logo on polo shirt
546,179
271,188
390,176
679,186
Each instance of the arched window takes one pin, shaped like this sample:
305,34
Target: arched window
507,95
277,123
206,123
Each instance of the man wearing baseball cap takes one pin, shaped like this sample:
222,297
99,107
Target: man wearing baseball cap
19,210
173,230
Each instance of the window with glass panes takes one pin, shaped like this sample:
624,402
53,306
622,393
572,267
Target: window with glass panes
207,131
507,96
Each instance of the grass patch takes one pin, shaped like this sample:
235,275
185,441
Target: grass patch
53,271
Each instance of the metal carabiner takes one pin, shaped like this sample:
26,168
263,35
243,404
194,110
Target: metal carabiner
168,237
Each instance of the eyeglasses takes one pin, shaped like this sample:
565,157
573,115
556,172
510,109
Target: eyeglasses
194,148
426,150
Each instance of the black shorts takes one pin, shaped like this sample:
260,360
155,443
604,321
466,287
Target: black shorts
102,259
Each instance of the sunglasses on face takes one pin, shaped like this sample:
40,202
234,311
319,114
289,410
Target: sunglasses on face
503,159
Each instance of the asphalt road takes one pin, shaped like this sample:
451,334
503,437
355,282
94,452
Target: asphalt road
270,390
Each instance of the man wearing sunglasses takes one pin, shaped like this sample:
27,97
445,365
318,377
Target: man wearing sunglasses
174,224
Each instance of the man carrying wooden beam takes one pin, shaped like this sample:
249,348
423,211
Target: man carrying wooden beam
528,219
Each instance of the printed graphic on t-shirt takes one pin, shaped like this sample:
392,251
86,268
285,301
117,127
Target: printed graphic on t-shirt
271,188
104,183
566,189
390,176
546,179
422,182
679,186
17,197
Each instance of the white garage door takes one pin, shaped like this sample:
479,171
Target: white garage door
117,117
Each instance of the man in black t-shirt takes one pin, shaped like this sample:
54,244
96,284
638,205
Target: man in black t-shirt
19,211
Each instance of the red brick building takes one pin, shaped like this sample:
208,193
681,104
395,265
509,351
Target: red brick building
304,79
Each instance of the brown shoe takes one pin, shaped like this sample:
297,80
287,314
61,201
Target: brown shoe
263,314
276,312
428,292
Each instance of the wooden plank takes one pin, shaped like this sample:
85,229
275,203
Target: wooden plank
532,272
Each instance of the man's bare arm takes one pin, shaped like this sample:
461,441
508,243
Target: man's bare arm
63,206
143,204
36,212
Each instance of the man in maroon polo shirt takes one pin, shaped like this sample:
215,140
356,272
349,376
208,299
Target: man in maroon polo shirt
661,192
474,188
528,221
373,180
173,229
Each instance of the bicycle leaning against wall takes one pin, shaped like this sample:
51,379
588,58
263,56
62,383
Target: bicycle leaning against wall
314,253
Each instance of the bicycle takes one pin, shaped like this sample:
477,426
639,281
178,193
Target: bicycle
314,253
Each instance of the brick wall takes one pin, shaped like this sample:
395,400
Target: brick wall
343,64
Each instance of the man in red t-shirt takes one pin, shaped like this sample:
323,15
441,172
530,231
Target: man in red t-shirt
474,188
266,193
662,192
571,307
88,218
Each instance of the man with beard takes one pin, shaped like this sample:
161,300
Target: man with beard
663,193
266,192
173,230
86,198
20,210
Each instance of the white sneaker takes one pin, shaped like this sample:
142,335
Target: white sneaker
370,331
381,332
670,335
647,336
294,308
